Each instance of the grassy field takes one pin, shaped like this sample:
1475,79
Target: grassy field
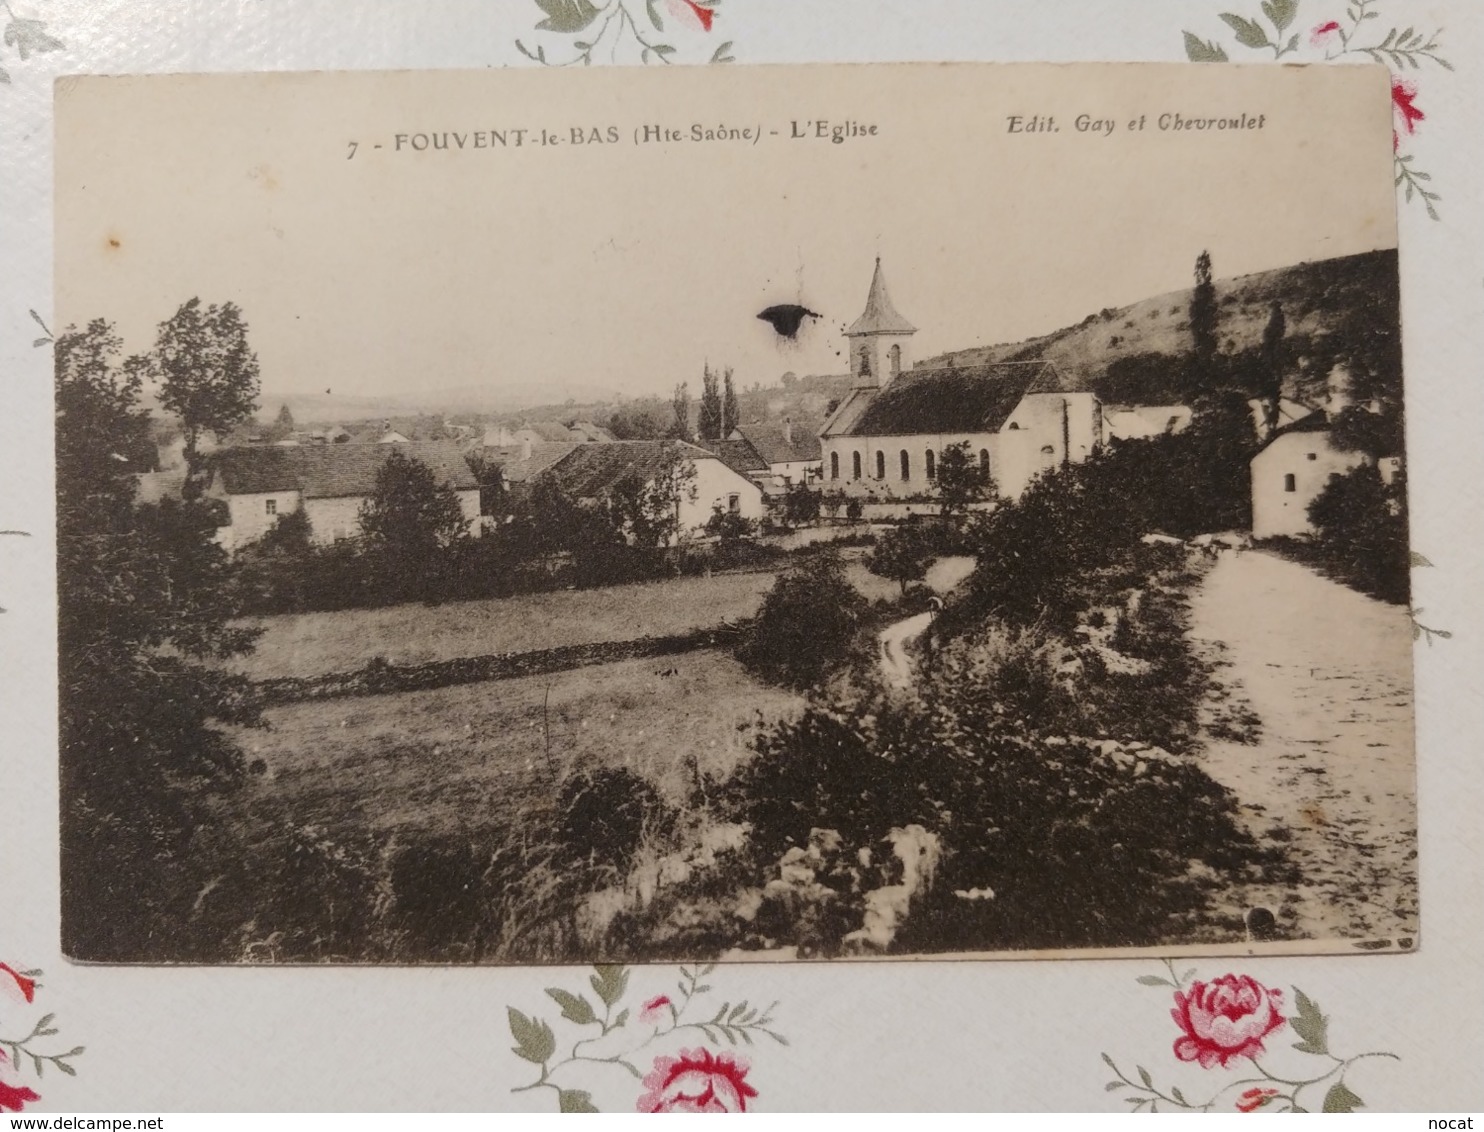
310,644
466,757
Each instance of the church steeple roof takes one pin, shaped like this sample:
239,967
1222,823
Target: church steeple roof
880,317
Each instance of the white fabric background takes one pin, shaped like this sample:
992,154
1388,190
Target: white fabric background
870,1036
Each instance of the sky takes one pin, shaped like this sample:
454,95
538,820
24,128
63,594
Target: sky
625,267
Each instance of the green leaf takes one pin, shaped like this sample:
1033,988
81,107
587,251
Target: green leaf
1419,560
1111,1086
723,54
1178,1095
1199,50
566,16
623,1016
654,15
534,1040
29,37
4,75
610,982
575,1008
575,1100
1153,981
1310,1025
1341,1099
1146,1078
1281,12
1249,32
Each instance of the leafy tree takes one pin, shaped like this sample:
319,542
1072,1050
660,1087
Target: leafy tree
145,617
1274,361
639,421
1203,325
731,412
680,407
1360,522
729,527
283,424
645,506
903,555
961,479
490,475
709,425
801,505
410,518
1356,428
208,373
807,625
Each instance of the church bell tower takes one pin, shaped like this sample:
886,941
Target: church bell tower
878,339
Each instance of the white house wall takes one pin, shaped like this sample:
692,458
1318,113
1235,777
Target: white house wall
249,518
715,484
1311,460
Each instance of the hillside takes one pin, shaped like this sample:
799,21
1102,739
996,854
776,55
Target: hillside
1139,343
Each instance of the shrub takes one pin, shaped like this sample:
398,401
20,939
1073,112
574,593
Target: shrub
604,816
902,554
807,625
1360,525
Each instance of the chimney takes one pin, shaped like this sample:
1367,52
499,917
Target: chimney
788,431
525,448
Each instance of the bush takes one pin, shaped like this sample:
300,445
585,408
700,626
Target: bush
807,625
902,554
605,815
1360,526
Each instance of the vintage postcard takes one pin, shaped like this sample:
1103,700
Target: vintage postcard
766,513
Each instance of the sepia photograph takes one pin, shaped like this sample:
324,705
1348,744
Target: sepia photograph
881,511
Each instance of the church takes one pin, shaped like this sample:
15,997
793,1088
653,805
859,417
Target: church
885,439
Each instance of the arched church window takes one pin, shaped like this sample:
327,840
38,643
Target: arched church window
834,465
984,461
906,466
880,465
930,461
1048,456
865,362
855,465
896,359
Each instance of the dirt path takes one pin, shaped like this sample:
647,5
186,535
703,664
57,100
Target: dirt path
896,663
1329,672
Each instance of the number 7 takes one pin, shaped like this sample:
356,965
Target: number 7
352,153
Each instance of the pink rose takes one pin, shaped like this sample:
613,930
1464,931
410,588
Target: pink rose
1403,95
13,984
1224,1019
1321,35
693,14
654,1010
697,1081
1254,1099
14,1098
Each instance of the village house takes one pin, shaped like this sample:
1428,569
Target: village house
588,474
886,438
329,483
1295,464
792,454
738,453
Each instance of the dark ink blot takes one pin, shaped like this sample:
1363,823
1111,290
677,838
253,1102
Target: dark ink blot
787,318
